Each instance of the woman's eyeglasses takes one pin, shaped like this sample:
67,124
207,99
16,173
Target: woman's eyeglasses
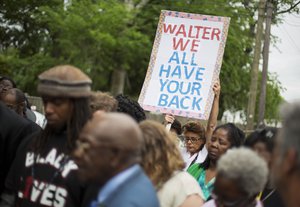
191,139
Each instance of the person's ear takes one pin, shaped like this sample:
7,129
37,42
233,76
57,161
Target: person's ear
21,108
116,157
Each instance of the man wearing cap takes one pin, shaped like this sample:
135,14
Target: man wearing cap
43,173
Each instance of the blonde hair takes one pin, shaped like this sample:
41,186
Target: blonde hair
160,154
103,101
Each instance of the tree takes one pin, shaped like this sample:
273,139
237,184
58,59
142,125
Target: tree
104,36
91,35
270,14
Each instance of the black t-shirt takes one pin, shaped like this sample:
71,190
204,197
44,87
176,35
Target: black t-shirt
46,180
271,198
13,129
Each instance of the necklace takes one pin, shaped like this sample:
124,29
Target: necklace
57,172
268,195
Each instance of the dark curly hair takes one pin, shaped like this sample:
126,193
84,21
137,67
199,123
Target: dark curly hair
3,78
266,135
177,127
130,107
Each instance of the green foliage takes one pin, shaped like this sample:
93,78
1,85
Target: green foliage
273,99
94,36
101,36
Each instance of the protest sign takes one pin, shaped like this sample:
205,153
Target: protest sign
185,61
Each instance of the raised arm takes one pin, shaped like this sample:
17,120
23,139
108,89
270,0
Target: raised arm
212,120
169,120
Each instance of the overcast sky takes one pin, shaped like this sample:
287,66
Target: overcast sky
285,56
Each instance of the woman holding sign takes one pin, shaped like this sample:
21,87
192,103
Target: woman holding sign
223,138
195,135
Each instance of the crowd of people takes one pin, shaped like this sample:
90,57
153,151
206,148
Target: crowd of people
95,150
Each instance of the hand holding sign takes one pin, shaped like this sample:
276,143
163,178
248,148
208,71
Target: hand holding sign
217,88
186,58
169,118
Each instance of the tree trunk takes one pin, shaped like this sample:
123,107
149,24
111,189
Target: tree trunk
255,65
118,76
262,97
118,82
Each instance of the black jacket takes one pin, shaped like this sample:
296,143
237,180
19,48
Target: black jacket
13,129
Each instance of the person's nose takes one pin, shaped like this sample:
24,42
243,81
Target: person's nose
189,141
48,108
215,144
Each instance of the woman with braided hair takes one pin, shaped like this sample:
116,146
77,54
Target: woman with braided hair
223,138
130,107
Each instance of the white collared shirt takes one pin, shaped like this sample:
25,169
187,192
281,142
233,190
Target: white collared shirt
188,159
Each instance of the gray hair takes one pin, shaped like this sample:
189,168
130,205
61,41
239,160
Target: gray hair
246,168
290,131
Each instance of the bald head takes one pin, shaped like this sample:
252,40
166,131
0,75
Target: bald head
118,129
108,144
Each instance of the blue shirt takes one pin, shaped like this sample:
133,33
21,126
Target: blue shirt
113,184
